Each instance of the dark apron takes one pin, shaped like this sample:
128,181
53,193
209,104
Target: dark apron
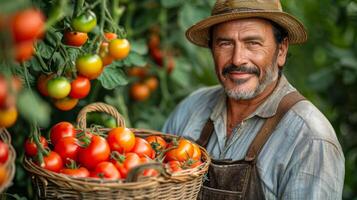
227,179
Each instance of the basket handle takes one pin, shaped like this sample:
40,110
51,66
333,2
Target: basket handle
101,107
135,172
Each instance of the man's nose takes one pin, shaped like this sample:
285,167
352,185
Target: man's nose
239,56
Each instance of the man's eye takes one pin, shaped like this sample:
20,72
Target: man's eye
224,43
253,43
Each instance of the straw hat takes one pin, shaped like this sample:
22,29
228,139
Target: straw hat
227,10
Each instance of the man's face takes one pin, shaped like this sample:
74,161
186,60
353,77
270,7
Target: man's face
246,56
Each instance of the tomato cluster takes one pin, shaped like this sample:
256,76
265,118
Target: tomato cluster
89,154
4,156
24,27
160,57
140,90
9,88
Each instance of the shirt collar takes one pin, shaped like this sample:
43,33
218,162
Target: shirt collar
267,109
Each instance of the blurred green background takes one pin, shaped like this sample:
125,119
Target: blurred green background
324,70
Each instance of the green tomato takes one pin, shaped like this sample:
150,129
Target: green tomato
84,22
58,88
109,122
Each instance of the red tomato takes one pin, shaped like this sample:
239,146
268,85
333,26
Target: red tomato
107,170
157,143
4,152
139,92
74,38
27,25
174,166
119,48
148,172
24,51
53,162
97,151
42,83
3,91
65,104
143,148
80,87
126,162
110,36
61,130
157,55
154,41
31,148
194,163
67,148
89,65
121,139
183,152
78,173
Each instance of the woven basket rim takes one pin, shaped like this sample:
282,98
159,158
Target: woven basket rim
10,163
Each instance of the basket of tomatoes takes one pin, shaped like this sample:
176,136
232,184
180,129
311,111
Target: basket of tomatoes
7,160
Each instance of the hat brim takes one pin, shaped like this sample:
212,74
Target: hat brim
199,33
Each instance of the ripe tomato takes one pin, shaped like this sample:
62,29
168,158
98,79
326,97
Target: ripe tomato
58,88
97,151
67,148
196,152
24,51
31,148
139,92
152,82
193,163
183,152
61,130
27,25
121,139
89,65
4,152
80,87
65,104
139,72
119,48
154,41
143,148
157,55
42,83
8,117
110,36
78,173
85,22
104,54
3,175
107,170
126,162
74,38
174,166
53,162
3,91
157,143
148,172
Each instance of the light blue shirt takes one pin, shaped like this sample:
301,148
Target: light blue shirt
301,160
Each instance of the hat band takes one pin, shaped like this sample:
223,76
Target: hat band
233,10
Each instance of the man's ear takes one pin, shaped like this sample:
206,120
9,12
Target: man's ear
282,52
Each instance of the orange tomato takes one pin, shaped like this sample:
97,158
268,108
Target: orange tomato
24,51
139,92
152,82
65,104
74,38
119,48
8,117
182,152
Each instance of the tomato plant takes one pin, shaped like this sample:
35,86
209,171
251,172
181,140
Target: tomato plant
121,139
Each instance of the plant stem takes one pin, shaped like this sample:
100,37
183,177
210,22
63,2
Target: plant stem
78,7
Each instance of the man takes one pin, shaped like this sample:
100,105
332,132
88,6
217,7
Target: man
266,140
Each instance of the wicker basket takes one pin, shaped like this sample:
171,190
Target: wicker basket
10,163
51,185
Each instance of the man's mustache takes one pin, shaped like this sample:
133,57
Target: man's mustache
242,69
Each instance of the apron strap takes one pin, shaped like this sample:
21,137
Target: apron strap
268,127
206,133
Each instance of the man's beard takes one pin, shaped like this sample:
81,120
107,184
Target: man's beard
271,74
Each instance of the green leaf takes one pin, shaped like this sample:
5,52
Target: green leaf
44,50
139,47
171,3
190,14
112,77
33,108
135,59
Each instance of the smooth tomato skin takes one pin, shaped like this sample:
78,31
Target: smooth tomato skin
67,148
119,48
58,88
157,142
143,148
65,104
107,170
42,83
74,38
4,152
78,173
61,130
196,155
183,152
152,83
139,91
24,51
3,174
89,65
80,87
8,117
53,162
195,163
174,166
85,23
110,36
27,25
97,151
121,139
130,160
107,59
31,148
